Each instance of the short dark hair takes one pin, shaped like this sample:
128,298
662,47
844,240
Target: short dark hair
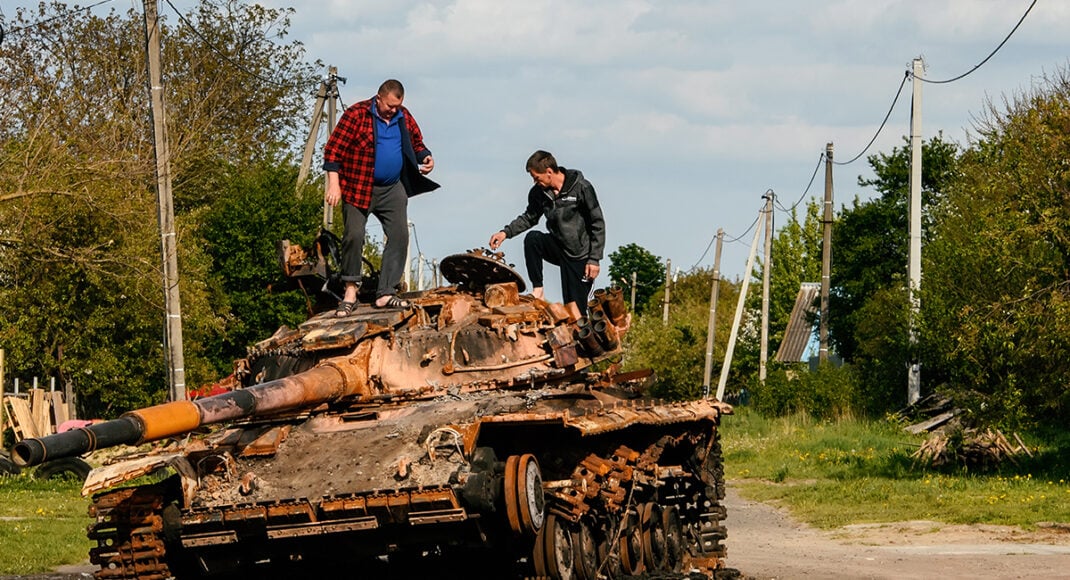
393,87
540,161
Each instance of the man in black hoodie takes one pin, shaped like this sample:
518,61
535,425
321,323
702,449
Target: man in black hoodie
577,235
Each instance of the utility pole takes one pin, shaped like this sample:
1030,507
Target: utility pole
826,261
763,356
165,205
914,370
668,285
731,345
327,93
633,291
715,290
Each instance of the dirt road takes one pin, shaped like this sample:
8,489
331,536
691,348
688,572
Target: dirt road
764,543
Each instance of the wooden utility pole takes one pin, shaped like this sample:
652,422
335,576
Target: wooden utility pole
715,290
668,285
914,267
168,242
763,353
731,345
826,261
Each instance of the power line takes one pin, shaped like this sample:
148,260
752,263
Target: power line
993,53
820,158
47,20
732,240
224,56
883,123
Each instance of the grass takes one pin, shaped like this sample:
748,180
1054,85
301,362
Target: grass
833,473
42,524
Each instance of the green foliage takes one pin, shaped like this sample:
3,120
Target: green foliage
677,351
80,293
648,268
869,321
996,308
827,393
258,208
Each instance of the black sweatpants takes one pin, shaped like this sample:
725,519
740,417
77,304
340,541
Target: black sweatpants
575,287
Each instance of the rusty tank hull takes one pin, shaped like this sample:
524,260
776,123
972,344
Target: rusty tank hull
479,433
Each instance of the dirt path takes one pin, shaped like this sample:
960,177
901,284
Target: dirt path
764,543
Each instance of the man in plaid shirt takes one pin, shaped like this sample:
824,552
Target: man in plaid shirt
375,160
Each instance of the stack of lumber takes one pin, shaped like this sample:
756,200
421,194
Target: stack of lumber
35,414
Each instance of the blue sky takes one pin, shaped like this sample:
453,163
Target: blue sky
682,113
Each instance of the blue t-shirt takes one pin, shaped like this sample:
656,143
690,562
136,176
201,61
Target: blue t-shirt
388,156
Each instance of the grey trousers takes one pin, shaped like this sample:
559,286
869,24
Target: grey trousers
390,204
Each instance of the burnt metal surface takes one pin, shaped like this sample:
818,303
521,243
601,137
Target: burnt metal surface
479,268
477,422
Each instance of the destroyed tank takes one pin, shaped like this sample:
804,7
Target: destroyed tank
480,432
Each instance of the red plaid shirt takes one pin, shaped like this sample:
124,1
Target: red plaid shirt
350,150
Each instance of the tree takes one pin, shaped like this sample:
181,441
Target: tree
80,294
649,272
676,351
996,313
869,249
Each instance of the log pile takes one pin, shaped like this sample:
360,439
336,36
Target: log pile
970,448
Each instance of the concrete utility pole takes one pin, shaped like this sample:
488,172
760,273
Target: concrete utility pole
633,291
668,285
730,347
763,356
715,290
327,93
826,261
914,370
168,242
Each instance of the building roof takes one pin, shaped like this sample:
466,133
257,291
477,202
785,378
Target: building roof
799,337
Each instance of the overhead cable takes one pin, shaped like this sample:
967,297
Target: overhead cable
883,123
993,53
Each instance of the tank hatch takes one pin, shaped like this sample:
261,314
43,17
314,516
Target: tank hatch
479,268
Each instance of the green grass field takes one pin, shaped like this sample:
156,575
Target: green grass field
42,524
827,473
833,473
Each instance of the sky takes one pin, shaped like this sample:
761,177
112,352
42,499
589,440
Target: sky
681,113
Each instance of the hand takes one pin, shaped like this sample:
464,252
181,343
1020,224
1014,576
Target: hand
334,189
496,240
591,271
428,165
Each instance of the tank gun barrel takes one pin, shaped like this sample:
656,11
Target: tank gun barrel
331,380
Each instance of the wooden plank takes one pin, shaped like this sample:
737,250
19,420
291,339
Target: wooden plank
41,411
21,418
59,410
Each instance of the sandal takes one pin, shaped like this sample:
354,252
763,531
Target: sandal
394,302
345,308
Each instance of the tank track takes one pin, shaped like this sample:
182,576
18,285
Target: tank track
128,531
618,490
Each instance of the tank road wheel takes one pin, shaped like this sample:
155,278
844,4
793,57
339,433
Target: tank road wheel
524,498
675,543
631,546
585,552
653,533
555,553
512,491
